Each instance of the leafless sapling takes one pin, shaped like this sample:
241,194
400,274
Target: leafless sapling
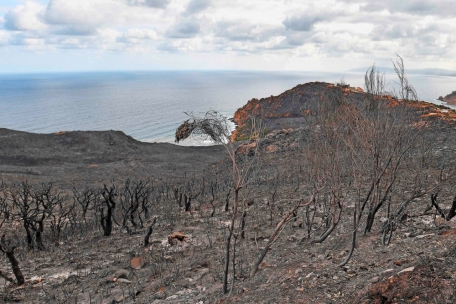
216,127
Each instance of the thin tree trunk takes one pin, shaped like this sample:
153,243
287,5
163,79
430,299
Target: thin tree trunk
149,233
244,214
353,244
29,235
234,264
106,222
188,204
273,238
227,201
436,205
39,241
452,212
334,223
228,243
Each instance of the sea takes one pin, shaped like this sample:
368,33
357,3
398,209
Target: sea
149,106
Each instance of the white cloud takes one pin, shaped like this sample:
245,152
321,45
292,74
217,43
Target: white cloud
142,34
91,15
268,28
4,37
302,22
151,3
184,28
197,6
82,12
188,45
25,17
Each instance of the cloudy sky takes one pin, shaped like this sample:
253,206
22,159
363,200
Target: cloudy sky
325,35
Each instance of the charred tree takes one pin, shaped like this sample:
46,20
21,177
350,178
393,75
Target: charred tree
149,232
9,251
106,208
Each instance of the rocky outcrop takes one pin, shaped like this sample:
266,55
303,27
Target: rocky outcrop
297,108
294,105
450,98
291,103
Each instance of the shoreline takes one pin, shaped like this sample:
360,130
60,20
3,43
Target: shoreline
190,142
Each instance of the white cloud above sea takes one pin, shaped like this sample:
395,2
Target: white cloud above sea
273,34
25,17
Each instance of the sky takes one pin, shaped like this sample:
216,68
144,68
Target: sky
279,35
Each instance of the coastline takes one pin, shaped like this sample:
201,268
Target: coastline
192,141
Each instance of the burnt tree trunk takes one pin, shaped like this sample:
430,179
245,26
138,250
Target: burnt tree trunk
149,233
15,265
29,234
227,201
106,220
228,242
9,251
38,236
452,212
244,214
188,204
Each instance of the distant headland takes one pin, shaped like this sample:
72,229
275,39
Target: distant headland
449,99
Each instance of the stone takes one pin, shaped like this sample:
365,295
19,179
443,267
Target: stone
291,238
297,224
374,279
400,262
137,263
406,270
123,281
119,298
160,295
422,236
202,272
387,271
179,236
172,297
120,273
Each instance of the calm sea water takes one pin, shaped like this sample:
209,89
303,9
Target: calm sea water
150,105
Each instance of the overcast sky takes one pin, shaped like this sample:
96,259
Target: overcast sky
324,35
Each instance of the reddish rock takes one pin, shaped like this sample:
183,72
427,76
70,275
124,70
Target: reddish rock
179,236
448,232
400,262
423,284
246,148
272,148
137,262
